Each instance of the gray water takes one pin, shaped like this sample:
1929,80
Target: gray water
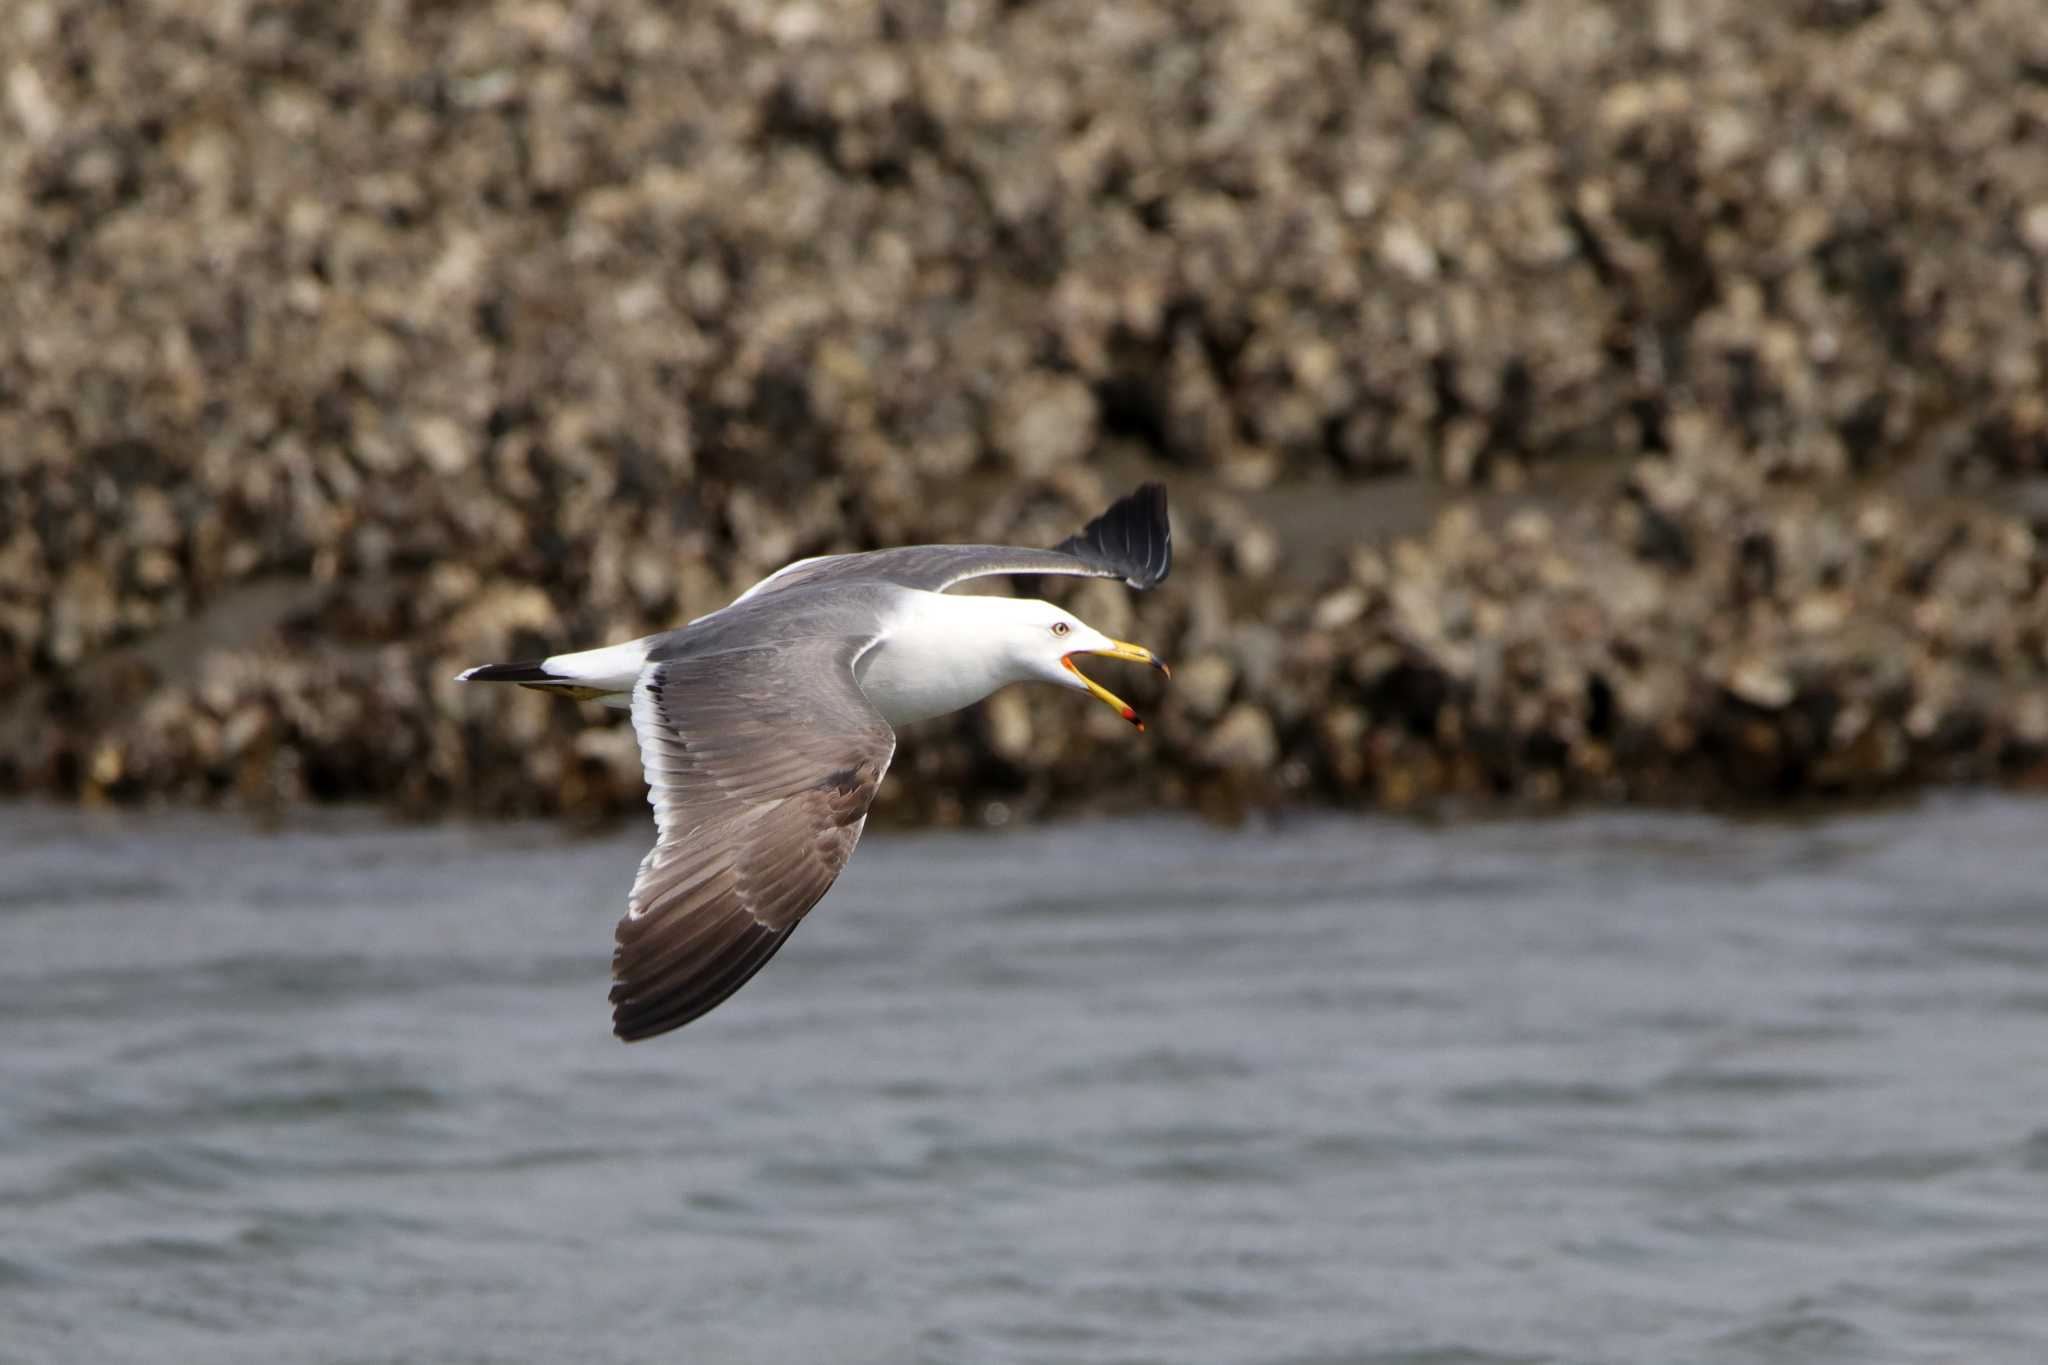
1607,1089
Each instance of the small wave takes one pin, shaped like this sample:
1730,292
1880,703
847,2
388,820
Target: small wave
1533,1094
1798,1336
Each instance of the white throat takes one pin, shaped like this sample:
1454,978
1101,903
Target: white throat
941,654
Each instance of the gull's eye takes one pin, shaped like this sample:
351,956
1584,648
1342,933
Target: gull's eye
1061,628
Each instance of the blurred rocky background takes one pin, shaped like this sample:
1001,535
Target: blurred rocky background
1560,399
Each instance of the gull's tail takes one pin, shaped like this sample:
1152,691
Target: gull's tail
608,673
536,672
535,676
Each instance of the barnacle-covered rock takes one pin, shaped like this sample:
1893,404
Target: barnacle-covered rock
1558,402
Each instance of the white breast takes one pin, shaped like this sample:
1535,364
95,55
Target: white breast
939,656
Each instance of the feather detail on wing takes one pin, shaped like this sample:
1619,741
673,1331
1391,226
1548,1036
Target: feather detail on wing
1132,540
761,764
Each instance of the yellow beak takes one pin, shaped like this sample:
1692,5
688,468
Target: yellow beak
1117,650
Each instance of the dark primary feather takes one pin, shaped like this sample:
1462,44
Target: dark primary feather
761,764
1131,540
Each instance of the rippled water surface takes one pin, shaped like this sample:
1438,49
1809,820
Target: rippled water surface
1610,1089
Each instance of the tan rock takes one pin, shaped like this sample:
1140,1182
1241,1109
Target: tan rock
1202,684
1243,741
1761,682
1042,422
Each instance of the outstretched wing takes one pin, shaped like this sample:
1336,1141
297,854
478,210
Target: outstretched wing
1131,541
761,764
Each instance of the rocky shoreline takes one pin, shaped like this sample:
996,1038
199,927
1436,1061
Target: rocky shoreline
1680,642
1651,416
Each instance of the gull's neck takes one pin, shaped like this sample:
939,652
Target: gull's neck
940,654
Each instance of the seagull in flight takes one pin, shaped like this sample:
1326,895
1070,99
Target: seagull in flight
765,728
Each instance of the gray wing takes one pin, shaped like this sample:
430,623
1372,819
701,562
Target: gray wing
761,764
1132,541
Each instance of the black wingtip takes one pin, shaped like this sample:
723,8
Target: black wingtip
657,990
1133,538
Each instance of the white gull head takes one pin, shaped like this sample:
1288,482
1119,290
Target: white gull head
950,652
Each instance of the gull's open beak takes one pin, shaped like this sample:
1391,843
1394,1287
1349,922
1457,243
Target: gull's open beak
1117,650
